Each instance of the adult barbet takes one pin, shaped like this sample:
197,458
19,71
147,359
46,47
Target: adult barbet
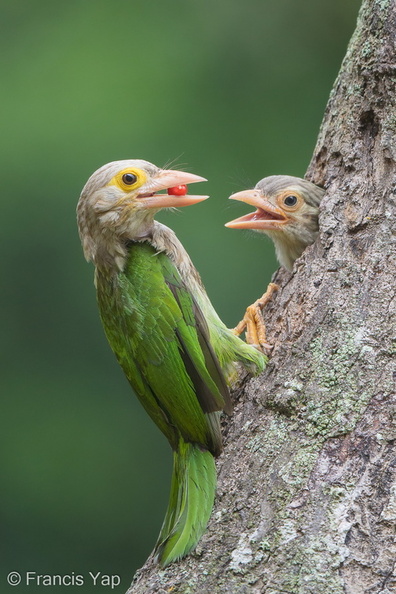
175,351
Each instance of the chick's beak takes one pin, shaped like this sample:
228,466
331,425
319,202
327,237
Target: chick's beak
266,217
168,179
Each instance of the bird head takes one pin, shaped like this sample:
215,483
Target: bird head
287,211
119,201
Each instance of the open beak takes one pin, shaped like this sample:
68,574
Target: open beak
168,179
266,217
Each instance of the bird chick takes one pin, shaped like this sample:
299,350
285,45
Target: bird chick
287,211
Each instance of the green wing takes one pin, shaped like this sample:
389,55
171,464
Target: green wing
198,328
160,338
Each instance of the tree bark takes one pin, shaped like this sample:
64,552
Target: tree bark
306,498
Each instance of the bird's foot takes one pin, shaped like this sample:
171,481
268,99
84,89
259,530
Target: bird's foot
253,324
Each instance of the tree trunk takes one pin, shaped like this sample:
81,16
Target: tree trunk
306,497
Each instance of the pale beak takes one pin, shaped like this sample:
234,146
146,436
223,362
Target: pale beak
266,217
168,179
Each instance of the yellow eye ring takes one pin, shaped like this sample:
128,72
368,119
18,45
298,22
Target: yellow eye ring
129,179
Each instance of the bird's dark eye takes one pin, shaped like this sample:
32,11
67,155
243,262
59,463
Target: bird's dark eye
129,179
290,200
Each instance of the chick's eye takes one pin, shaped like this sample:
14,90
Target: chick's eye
129,179
290,200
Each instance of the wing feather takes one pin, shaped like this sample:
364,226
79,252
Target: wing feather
160,338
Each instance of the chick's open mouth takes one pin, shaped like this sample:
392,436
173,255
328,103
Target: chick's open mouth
262,215
264,219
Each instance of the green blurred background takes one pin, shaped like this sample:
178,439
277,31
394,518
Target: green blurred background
230,90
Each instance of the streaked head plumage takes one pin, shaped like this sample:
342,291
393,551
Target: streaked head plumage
119,201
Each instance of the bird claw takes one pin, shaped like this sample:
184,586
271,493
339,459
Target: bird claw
253,324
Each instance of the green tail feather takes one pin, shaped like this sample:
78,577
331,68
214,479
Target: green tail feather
191,500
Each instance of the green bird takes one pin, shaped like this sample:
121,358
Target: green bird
175,351
287,211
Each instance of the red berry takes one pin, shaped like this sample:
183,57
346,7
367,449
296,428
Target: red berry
178,190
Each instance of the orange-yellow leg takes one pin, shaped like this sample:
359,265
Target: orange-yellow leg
253,323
